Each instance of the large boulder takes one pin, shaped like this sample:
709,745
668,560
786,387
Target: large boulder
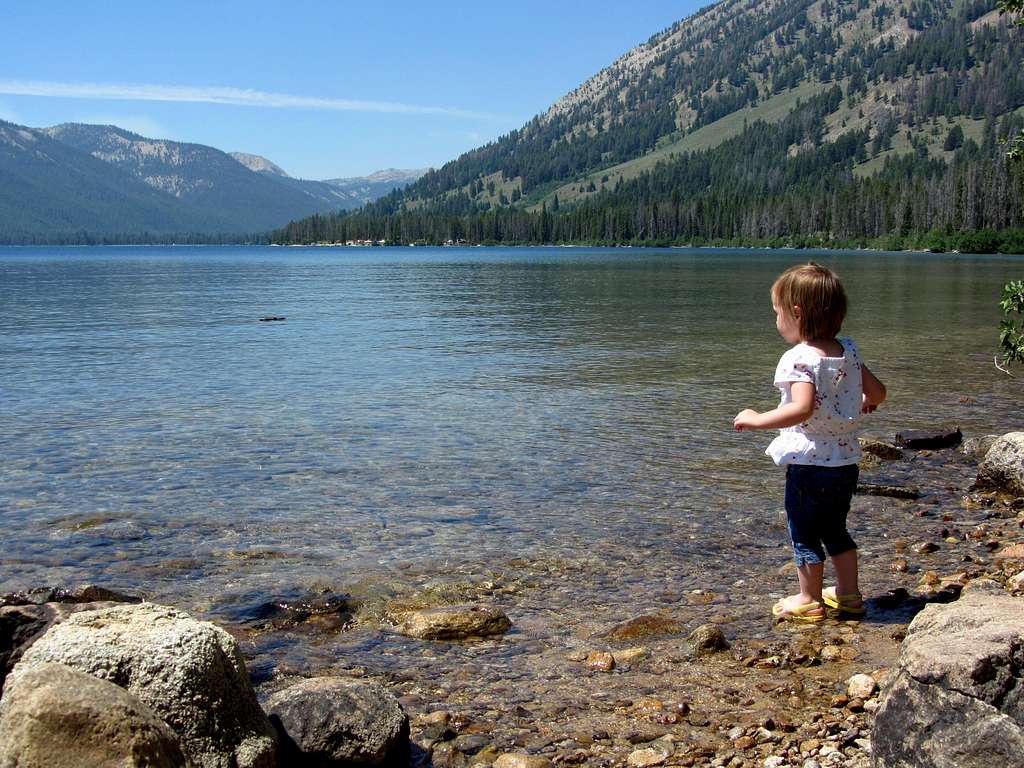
1003,465
22,624
189,672
956,699
53,716
328,721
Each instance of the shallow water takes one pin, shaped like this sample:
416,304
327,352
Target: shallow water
424,412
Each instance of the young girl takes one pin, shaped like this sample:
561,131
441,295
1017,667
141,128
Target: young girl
825,388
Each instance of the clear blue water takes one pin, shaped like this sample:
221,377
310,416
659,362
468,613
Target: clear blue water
425,405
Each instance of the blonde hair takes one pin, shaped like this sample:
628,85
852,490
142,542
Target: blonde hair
816,290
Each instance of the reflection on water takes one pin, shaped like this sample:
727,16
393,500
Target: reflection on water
424,405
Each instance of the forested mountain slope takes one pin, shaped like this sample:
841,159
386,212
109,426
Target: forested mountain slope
827,120
201,176
50,192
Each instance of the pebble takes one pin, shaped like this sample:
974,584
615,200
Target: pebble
629,655
831,653
1012,552
925,547
861,686
707,638
898,566
644,757
440,717
521,760
601,661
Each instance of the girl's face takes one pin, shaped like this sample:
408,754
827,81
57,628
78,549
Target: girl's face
788,323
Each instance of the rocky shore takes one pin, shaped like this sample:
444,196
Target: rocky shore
522,664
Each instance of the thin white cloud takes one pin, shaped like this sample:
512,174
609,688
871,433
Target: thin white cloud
216,95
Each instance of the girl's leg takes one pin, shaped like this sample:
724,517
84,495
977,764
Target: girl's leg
846,575
811,577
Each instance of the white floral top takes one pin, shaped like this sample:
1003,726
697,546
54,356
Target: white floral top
829,437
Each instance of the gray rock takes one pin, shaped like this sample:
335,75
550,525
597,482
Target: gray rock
978,446
957,695
189,672
24,623
1003,465
454,622
56,717
329,722
707,638
944,437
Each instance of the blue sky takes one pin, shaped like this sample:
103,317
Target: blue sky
324,89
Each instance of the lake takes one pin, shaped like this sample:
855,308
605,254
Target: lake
425,410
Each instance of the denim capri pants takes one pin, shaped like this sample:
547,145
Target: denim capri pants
817,502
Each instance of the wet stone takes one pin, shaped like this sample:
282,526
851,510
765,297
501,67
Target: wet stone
707,639
881,449
87,593
455,622
925,548
601,661
318,612
918,439
892,491
643,626
521,760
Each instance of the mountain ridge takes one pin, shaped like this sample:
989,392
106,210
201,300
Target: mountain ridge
57,183
880,86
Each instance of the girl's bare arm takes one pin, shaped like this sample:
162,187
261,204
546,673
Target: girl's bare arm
874,390
797,411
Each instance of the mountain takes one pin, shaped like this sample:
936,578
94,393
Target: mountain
75,183
50,192
360,190
246,201
751,121
258,163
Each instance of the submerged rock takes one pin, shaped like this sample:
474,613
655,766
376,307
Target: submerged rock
957,696
87,593
1003,465
641,627
707,638
454,622
313,612
918,439
893,491
881,449
978,446
189,672
330,722
53,716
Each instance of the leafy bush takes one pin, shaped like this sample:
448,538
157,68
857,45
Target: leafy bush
1011,330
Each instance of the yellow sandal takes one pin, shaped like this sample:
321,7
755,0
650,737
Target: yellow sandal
812,611
842,602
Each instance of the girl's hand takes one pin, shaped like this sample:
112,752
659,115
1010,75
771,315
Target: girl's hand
866,406
745,419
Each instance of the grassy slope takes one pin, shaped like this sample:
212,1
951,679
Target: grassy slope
770,110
